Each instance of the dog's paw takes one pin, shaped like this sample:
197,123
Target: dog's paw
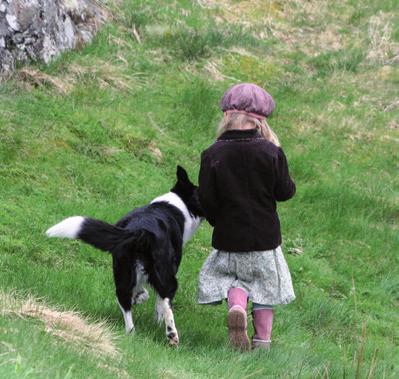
141,297
173,339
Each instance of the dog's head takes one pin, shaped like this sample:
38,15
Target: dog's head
188,192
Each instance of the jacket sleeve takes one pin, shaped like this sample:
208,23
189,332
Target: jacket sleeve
207,189
284,186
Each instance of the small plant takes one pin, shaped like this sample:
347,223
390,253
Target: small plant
191,44
342,60
135,14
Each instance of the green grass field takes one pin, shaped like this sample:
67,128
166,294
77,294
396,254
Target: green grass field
101,130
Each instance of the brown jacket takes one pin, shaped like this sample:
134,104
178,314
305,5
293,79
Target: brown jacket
242,175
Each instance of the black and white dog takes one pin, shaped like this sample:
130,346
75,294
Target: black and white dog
146,246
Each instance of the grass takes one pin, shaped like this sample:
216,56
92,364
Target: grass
100,131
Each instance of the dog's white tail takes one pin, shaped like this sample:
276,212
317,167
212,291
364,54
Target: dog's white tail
68,228
97,233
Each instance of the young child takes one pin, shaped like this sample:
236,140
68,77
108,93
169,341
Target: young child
242,175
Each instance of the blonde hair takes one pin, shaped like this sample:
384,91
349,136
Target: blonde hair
238,121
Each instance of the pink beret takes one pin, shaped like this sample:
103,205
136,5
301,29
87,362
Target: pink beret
248,98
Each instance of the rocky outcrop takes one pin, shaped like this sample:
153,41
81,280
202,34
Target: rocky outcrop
41,29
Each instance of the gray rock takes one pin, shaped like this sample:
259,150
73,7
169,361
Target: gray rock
12,21
40,30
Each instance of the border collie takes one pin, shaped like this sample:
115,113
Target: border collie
146,246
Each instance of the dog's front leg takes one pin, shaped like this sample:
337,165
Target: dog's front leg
164,311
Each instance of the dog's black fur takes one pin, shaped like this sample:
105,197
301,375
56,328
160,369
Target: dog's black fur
146,244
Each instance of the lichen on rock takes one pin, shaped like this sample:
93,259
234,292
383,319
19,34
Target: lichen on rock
39,30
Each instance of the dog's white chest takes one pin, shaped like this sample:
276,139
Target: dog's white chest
190,226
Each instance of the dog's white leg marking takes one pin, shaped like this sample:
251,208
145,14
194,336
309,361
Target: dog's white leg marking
69,228
140,296
127,316
159,313
171,332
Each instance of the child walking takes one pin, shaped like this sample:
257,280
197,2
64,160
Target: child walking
242,176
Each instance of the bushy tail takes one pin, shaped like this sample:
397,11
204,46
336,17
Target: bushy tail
97,233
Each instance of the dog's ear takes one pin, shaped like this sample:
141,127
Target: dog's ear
181,175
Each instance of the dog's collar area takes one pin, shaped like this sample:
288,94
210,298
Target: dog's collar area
172,199
191,222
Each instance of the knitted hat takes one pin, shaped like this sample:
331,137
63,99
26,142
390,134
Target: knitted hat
248,98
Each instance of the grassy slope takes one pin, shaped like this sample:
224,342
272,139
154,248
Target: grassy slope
88,144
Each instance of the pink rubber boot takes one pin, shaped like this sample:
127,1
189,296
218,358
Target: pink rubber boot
237,299
263,323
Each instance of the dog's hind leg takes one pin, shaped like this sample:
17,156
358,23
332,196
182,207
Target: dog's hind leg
164,310
125,280
127,316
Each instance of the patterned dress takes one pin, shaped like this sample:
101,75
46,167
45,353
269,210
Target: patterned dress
263,274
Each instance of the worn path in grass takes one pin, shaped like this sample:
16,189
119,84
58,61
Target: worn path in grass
100,131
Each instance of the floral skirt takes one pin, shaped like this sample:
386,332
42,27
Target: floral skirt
263,274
